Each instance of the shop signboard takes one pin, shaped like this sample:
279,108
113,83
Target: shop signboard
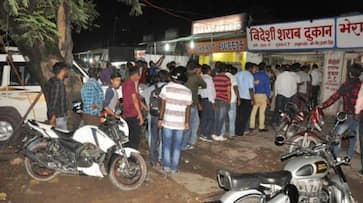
308,34
229,45
350,31
219,24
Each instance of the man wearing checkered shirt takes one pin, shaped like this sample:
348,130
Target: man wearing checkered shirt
92,98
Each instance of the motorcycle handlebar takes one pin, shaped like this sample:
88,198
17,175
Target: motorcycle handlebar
315,150
289,155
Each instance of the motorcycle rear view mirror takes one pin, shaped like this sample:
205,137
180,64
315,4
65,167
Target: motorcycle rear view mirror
342,116
280,140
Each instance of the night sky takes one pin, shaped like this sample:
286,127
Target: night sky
117,28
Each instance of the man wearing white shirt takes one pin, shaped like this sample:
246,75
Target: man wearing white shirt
208,96
316,79
286,86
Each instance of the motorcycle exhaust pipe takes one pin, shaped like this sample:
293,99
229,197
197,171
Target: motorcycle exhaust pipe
33,157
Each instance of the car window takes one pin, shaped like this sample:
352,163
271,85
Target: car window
24,75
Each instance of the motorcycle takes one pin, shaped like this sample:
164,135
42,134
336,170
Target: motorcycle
90,150
299,128
310,175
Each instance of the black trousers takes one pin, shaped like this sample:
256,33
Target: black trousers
243,115
135,131
315,90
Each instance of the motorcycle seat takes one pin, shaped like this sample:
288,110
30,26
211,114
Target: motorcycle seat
233,181
64,134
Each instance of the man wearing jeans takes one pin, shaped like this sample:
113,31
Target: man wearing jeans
56,96
174,118
245,83
359,116
349,91
222,85
194,82
150,94
208,96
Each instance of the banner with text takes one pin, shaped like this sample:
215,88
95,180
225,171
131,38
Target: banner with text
229,45
296,35
350,31
332,76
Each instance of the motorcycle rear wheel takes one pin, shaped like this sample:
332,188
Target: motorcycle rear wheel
32,167
128,178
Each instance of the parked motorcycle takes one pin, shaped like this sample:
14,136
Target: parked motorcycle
90,150
310,175
299,129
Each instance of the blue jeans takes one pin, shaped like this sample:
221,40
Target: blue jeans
172,141
61,123
352,125
221,115
232,112
207,118
191,135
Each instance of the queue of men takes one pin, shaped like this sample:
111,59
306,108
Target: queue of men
185,104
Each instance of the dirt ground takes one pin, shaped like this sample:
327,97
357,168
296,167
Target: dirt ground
242,154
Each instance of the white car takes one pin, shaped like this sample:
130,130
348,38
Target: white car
15,99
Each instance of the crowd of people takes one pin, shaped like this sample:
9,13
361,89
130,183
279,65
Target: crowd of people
184,104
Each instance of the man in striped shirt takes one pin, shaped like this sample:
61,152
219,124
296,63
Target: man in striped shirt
222,85
176,101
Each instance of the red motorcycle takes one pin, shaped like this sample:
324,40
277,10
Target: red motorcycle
300,129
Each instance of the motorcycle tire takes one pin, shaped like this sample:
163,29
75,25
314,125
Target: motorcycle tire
298,139
46,176
116,176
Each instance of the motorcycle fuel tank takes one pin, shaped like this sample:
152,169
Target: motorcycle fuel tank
307,167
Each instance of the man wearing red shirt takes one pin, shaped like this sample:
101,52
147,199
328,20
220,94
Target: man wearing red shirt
132,106
349,92
222,85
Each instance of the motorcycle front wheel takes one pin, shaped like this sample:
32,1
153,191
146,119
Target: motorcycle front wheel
128,177
37,170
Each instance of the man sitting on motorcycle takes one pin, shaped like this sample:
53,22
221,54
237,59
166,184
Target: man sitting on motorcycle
349,91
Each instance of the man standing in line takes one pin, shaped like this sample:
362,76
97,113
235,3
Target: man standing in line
316,79
262,98
133,106
56,96
152,99
232,111
194,82
223,97
92,98
245,83
174,118
208,96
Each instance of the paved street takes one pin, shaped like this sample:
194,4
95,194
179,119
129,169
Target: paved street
196,183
